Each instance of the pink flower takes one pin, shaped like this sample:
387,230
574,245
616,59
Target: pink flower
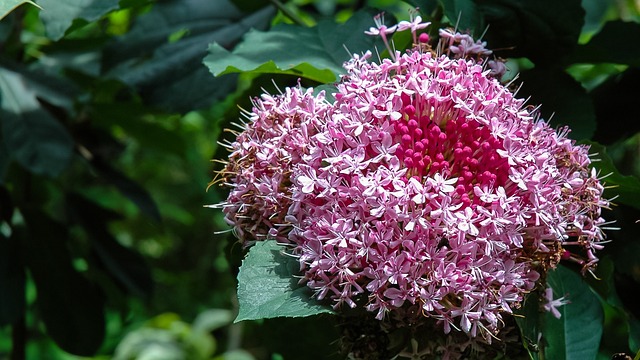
552,305
414,24
427,183
382,30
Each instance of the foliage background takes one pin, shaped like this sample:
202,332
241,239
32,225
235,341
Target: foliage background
110,116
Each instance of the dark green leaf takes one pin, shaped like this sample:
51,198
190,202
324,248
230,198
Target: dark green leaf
127,187
125,265
169,73
12,281
7,6
130,117
315,53
250,6
54,89
611,100
425,7
611,45
267,288
58,15
464,14
626,187
576,335
31,135
543,30
634,334
6,205
563,100
71,307
529,320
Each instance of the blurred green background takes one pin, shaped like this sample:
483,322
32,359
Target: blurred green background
109,124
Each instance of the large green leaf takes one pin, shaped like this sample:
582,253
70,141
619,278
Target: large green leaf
162,54
7,6
30,134
267,288
71,307
315,53
58,15
611,45
541,30
576,335
563,100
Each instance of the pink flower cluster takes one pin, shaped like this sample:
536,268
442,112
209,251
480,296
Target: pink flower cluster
426,182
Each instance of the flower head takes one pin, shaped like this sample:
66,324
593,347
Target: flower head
426,184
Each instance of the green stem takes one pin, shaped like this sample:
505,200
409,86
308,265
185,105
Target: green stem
288,13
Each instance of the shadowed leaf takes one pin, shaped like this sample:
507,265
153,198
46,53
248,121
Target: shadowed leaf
125,265
71,307
611,45
523,28
12,281
566,102
162,54
30,134
128,188
58,15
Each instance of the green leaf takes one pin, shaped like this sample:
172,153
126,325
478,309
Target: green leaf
626,187
58,15
576,335
563,100
131,118
46,83
611,45
71,307
129,188
611,100
169,73
315,53
595,13
464,14
542,30
529,320
7,6
634,335
249,6
267,288
31,135
125,265
12,281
